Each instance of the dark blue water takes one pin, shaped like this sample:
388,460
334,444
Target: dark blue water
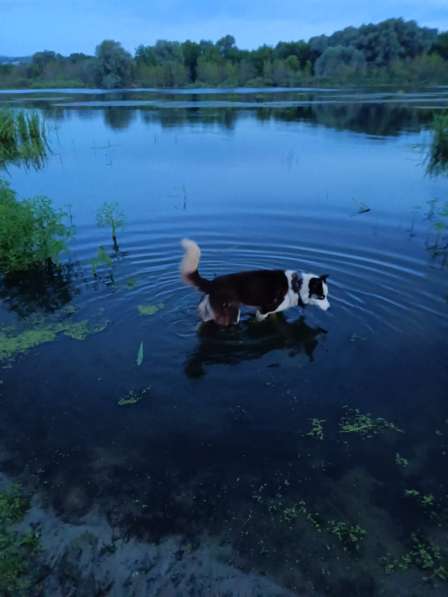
328,182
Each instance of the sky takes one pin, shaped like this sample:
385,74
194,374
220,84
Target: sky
66,26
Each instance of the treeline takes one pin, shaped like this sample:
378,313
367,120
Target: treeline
388,52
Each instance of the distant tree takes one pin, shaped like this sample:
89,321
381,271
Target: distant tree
338,61
114,66
191,52
227,47
440,46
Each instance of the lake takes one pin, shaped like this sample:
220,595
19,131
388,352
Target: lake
304,455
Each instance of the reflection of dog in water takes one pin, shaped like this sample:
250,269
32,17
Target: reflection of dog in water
251,341
269,291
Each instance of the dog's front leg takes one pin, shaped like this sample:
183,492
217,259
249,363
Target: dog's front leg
261,316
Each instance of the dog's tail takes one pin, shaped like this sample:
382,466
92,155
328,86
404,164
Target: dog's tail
189,266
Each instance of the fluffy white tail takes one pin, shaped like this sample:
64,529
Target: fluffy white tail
190,261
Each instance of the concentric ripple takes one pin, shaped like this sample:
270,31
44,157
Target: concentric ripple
377,281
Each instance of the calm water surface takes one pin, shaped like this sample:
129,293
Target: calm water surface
252,435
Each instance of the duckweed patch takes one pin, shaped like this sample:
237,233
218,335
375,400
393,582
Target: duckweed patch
401,461
14,343
150,309
423,555
365,425
134,397
317,429
350,535
16,549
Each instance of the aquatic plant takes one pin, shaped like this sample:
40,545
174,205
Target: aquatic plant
101,258
140,354
14,343
110,215
32,232
134,396
150,309
423,555
438,152
366,425
22,139
401,461
298,510
16,549
350,535
317,430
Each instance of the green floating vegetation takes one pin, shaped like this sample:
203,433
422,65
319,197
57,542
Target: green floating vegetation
401,461
13,343
298,510
351,535
365,425
426,500
134,396
32,232
140,354
317,429
423,555
131,282
16,549
150,309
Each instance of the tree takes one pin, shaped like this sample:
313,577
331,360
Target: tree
191,52
338,61
115,67
440,46
226,47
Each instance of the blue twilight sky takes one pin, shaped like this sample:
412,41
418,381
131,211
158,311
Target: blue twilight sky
27,26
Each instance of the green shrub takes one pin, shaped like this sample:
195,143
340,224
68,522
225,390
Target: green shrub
32,231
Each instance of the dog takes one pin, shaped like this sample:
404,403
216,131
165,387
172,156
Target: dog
269,291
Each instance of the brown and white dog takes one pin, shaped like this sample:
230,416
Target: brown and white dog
269,291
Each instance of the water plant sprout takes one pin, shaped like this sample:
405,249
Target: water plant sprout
111,215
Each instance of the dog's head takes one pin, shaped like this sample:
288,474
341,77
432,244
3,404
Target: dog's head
314,291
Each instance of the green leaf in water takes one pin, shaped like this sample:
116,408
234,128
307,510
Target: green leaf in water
140,354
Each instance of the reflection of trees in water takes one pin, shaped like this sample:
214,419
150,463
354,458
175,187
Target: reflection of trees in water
379,119
178,117
251,340
371,119
119,118
45,289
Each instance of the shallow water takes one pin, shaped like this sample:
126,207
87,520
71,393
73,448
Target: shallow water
328,182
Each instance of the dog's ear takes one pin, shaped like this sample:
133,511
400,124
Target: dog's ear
324,277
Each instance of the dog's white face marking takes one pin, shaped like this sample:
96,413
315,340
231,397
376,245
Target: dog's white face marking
308,298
